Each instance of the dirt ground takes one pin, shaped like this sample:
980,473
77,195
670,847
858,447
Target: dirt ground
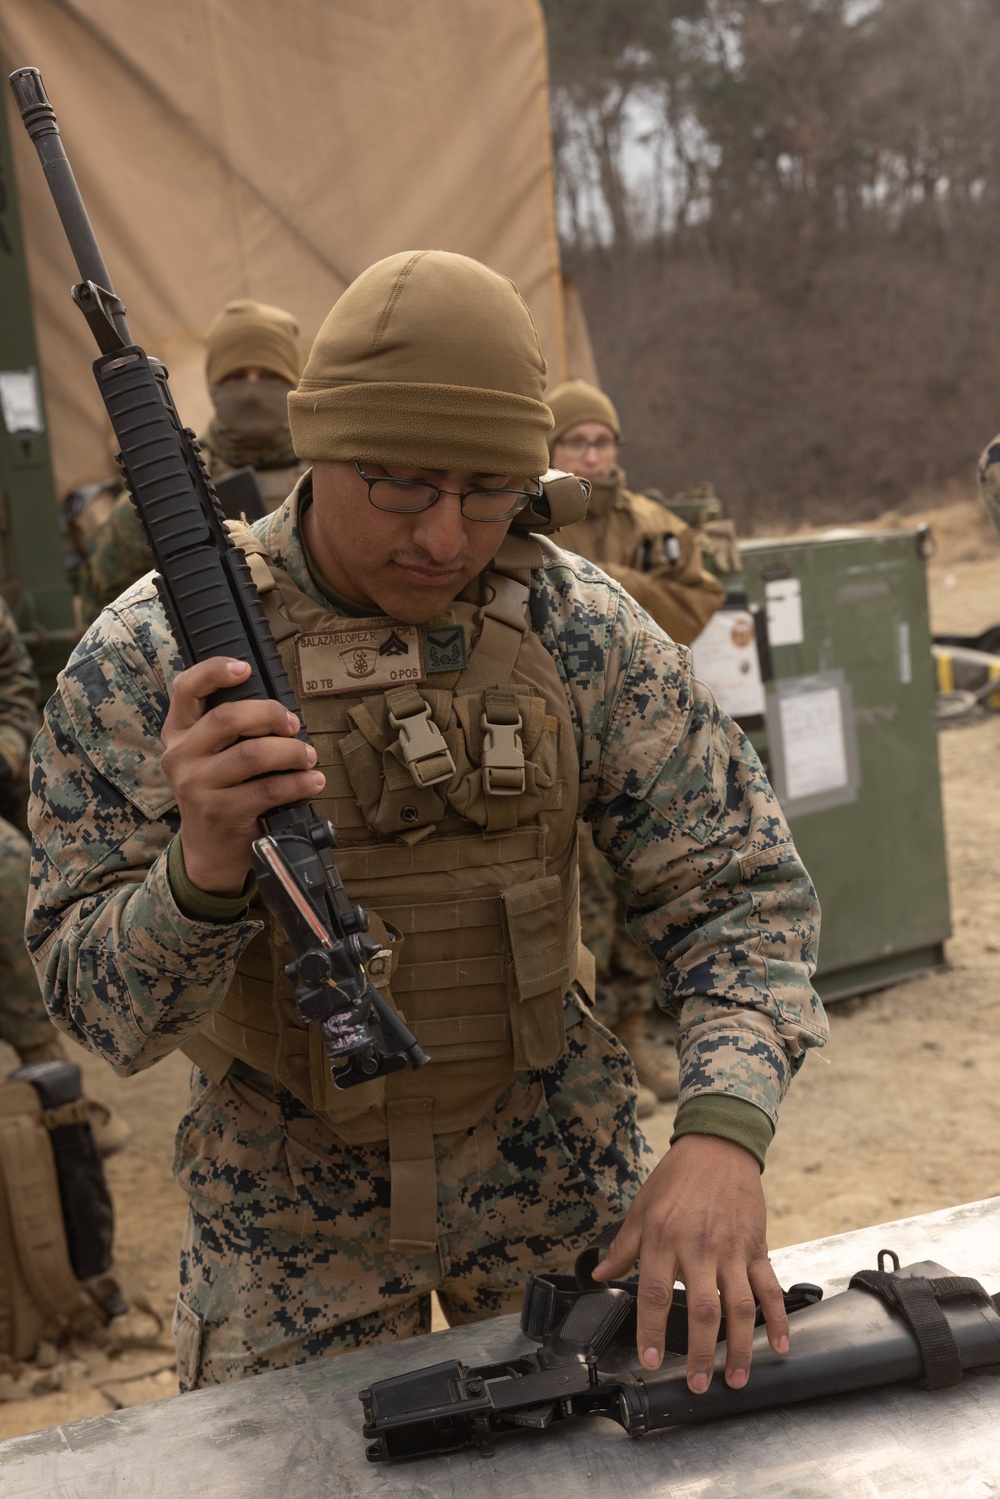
900,1119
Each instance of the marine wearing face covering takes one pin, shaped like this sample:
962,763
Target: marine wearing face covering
988,478
470,691
252,361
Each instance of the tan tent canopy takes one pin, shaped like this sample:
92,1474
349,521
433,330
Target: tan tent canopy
230,148
579,359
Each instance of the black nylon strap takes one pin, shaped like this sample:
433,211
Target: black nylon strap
588,1259
547,1298
918,1300
544,1304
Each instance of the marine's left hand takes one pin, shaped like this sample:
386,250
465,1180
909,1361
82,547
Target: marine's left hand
700,1218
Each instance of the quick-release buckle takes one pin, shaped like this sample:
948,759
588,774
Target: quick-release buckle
423,747
503,757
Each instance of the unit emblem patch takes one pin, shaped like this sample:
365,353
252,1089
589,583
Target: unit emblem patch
445,648
353,656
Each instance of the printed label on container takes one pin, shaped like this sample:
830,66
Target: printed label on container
725,658
784,612
353,658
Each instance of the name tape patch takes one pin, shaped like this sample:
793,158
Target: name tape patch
351,656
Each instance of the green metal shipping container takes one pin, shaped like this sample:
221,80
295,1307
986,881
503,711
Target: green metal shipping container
845,724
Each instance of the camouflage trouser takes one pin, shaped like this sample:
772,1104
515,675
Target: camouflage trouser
23,1021
286,1255
626,972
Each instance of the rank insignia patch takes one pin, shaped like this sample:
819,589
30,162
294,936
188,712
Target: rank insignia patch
445,648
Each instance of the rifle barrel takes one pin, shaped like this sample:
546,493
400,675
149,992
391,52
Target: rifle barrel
40,122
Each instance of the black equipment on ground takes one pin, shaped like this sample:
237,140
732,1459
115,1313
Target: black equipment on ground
987,640
919,1323
56,1217
213,609
87,1212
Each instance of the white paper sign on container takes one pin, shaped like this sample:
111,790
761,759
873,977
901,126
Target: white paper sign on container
812,738
725,658
812,742
783,597
20,405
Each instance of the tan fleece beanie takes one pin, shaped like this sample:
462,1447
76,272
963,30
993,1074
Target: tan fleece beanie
249,333
576,401
428,359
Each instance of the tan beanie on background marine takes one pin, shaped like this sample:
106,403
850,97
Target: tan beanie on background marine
428,359
248,334
576,401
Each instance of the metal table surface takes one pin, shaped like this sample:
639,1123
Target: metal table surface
296,1434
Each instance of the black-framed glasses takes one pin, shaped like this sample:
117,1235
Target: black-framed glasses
580,445
410,496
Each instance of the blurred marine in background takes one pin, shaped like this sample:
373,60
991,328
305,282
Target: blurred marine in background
657,558
988,475
252,361
24,1023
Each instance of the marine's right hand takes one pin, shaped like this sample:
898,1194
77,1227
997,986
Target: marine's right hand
226,766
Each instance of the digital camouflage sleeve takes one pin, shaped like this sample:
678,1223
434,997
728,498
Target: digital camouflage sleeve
676,795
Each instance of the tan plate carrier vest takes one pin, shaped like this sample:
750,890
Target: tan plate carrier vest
455,801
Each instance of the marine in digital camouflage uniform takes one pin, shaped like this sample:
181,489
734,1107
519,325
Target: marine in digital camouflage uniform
657,558
988,475
24,1021
24,1024
300,1243
654,554
252,361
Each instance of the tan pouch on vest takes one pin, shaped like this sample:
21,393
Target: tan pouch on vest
39,1294
535,926
508,761
388,795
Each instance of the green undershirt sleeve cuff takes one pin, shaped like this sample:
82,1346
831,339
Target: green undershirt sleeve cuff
730,1119
201,905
